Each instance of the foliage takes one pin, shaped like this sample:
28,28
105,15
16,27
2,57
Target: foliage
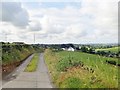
113,49
84,49
72,82
109,52
68,62
95,72
13,53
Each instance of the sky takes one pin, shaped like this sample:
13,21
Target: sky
82,21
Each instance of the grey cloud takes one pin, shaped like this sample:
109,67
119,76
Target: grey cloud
14,13
36,26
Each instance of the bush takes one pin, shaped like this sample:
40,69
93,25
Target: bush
111,62
13,53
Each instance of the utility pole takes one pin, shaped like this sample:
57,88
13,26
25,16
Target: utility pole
34,38
6,37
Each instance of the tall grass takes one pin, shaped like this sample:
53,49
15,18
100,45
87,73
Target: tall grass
66,66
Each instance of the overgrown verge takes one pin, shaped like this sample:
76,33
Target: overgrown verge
13,55
80,70
32,66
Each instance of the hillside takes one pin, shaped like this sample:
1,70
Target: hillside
113,49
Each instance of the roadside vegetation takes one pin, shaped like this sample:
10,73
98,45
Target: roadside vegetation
81,70
14,54
32,66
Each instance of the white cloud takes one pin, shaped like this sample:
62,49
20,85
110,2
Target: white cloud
95,21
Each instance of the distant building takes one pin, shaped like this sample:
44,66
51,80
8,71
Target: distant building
70,49
63,48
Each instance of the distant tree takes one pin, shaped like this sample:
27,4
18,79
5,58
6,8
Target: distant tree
70,45
98,52
103,53
2,42
63,46
108,46
84,49
77,48
67,45
91,50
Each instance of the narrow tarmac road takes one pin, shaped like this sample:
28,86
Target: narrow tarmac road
17,71
38,79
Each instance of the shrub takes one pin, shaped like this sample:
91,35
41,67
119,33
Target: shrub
111,62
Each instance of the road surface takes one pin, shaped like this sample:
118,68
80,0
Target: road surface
17,71
38,79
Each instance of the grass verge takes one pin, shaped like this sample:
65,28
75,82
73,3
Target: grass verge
81,70
32,66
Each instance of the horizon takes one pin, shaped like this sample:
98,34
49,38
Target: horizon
65,43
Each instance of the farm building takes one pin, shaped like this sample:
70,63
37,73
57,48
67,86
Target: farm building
63,48
70,49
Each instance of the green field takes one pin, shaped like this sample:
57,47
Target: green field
81,70
32,66
114,49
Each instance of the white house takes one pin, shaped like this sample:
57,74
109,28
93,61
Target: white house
70,49
63,48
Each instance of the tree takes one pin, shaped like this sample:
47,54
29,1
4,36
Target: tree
91,51
84,49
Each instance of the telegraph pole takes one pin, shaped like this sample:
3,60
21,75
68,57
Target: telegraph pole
6,37
34,38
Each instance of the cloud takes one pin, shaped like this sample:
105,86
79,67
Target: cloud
13,12
34,26
94,21
49,25
76,31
